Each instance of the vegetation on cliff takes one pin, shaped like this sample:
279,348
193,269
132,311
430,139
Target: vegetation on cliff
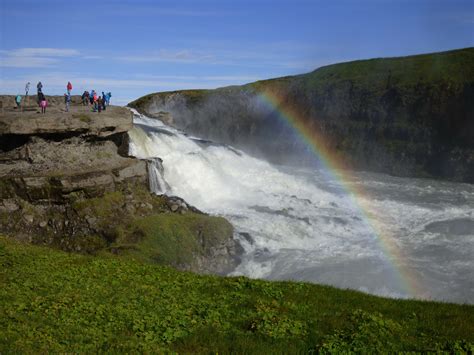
58,302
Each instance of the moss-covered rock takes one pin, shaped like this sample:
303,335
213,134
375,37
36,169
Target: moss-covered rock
130,222
188,241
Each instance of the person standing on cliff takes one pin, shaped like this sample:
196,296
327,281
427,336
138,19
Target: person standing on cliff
43,103
39,89
27,88
104,101
18,101
69,88
94,98
107,98
85,98
67,100
99,104
91,97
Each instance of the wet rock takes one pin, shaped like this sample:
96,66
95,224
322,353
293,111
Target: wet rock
247,237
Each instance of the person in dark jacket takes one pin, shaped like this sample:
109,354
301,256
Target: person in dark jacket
104,101
85,98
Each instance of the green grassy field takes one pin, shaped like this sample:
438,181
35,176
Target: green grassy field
51,301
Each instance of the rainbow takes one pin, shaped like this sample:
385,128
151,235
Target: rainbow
335,166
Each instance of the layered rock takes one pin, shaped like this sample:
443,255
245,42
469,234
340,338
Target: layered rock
48,157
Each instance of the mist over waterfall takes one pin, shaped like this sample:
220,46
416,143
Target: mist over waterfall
302,224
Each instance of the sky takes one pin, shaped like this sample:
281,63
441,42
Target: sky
136,47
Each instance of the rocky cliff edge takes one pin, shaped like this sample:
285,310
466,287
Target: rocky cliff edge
66,180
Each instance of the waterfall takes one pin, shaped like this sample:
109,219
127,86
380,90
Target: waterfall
299,224
158,185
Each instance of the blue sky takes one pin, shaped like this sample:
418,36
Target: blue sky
137,47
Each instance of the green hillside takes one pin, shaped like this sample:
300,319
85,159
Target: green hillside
406,116
52,301
456,67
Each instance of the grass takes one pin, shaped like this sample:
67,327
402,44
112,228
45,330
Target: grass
192,96
454,67
83,117
51,301
173,239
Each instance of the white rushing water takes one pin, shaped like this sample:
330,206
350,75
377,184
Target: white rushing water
300,224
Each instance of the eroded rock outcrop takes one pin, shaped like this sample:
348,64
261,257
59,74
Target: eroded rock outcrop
45,158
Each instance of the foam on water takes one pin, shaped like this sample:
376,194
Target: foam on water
299,224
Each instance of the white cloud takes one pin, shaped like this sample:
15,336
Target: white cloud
92,57
27,62
34,57
181,56
217,78
42,52
54,82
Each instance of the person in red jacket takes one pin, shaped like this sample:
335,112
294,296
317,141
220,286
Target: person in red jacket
69,87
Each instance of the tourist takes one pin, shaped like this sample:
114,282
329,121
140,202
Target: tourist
94,101
99,103
67,100
85,98
43,104
69,88
18,101
91,98
27,88
107,98
39,87
104,101
40,97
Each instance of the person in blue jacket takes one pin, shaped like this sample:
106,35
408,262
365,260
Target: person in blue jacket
18,101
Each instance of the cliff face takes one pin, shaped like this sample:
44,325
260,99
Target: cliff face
66,180
410,116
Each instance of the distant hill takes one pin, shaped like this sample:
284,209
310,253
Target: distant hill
407,116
